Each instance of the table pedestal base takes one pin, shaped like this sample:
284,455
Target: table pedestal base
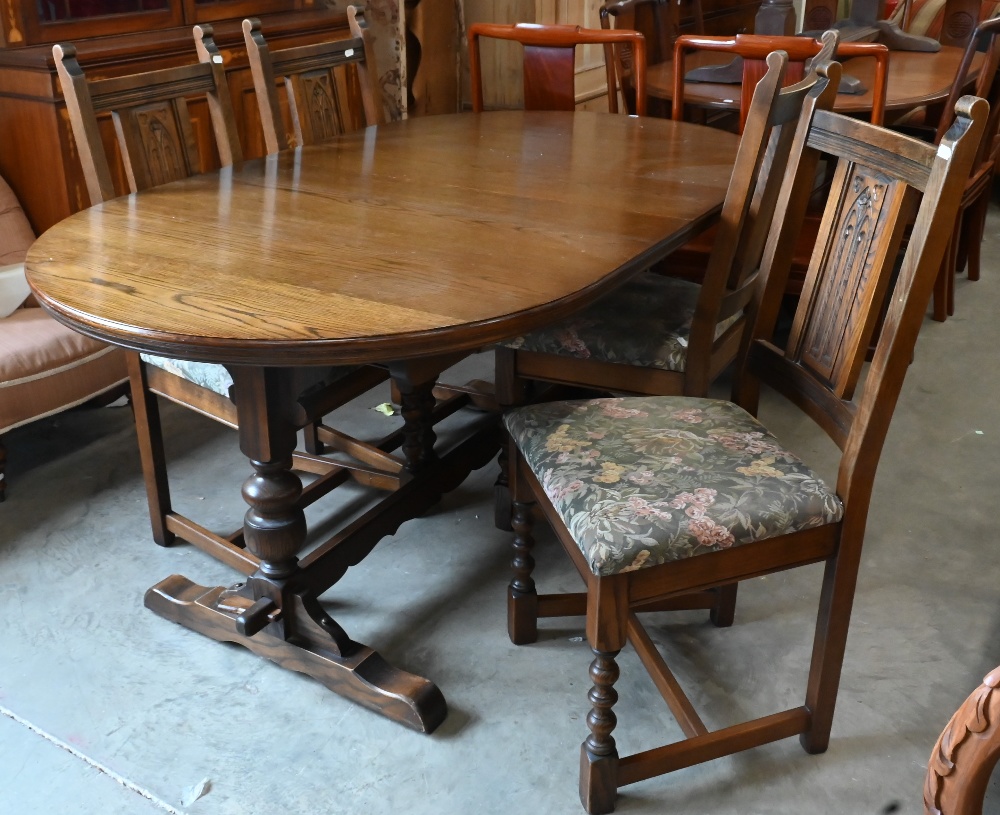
357,672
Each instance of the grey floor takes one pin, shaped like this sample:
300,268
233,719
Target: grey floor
109,709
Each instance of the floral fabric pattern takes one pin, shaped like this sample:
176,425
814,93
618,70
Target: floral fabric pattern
206,374
645,323
641,481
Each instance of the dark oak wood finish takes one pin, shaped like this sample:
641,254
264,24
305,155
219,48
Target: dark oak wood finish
878,183
549,60
489,200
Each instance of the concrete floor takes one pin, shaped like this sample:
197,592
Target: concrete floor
109,709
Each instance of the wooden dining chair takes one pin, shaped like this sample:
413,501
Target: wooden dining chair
330,85
657,497
659,21
660,333
549,60
157,143
752,49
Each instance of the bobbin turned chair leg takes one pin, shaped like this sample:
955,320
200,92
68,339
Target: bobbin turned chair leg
522,598
607,626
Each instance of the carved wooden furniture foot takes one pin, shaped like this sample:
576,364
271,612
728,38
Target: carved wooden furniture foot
300,636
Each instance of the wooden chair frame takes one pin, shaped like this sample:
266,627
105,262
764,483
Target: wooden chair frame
754,48
549,58
879,178
315,89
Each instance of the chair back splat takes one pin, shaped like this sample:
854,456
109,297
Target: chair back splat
549,62
668,502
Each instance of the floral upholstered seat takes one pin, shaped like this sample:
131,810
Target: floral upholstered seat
645,323
646,480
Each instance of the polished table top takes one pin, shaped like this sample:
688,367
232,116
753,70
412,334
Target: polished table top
915,78
408,244
392,242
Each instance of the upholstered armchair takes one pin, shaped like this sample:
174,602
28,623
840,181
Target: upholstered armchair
44,366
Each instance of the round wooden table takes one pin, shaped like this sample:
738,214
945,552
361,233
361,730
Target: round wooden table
915,78
409,244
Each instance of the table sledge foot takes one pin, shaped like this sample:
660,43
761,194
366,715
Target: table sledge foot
357,672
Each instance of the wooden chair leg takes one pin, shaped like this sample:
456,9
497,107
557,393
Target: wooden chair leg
522,598
723,612
3,472
511,391
944,283
607,633
310,439
833,621
598,753
154,464
975,227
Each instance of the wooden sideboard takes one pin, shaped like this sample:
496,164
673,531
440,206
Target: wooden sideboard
37,152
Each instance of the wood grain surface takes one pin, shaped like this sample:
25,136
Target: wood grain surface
432,234
915,78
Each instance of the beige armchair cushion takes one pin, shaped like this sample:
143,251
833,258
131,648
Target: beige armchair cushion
46,367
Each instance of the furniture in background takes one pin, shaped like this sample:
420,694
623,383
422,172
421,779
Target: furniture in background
501,64
656,497
965,755
751,51
490,200
967,236
112,41
915,78
151,116
660,23
45,367
329,86
548,61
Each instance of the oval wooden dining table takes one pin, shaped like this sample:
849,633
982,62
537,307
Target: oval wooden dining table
408,244
915,78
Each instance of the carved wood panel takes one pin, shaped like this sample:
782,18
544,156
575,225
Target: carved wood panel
164,150
829,342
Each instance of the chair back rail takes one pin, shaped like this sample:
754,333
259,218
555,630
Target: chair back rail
329,85
549,61
152,123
